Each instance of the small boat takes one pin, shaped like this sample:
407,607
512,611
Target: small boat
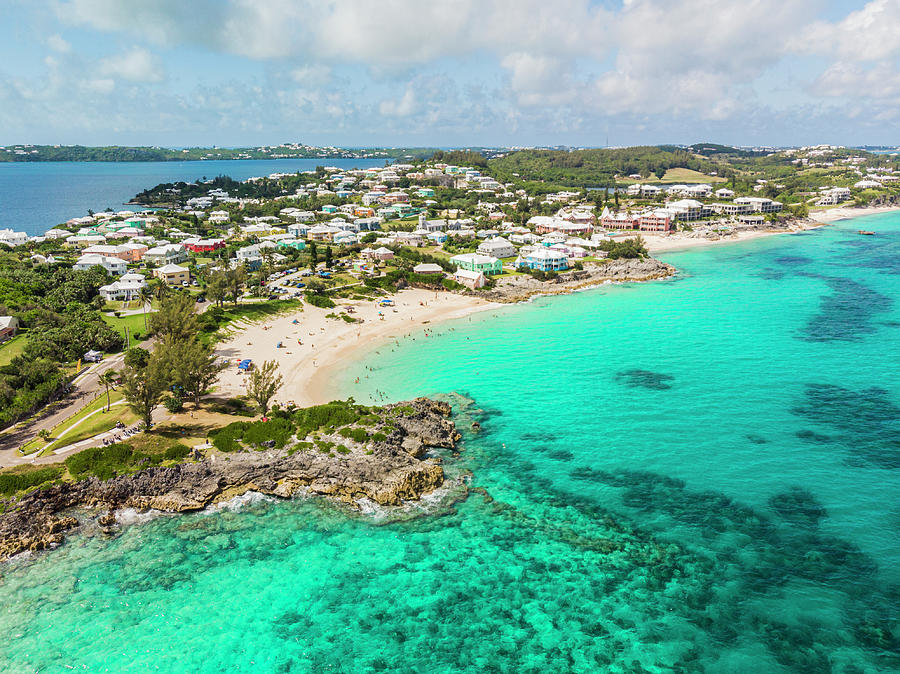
866,232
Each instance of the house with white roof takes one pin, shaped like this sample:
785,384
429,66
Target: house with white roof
544,259
125,289
113,265
169,253
173,274
497,247
485,264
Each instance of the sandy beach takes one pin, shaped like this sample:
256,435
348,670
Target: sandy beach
847,212
316,346
661,243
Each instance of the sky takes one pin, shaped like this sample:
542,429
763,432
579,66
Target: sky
451,73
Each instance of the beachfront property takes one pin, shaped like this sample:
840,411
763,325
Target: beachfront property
113,265
9,325
468,278
833,196
173,274
761,204
428,269
497,247
544,259
486,264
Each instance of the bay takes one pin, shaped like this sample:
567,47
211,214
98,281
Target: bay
37,196
697,474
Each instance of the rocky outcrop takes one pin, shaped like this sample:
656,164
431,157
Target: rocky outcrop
520,288
388,472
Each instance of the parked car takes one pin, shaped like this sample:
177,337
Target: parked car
201,299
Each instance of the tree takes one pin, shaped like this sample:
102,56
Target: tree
262,383
145,296
660,172
175,318
192,365
328,257
160,289
108,378
236,278
143,388
313,255
217,288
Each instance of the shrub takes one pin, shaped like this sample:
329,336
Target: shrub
176,452
333,414
320,301
357,434
278,429
342,449
174,403
10,483
227,439
378,437
103,462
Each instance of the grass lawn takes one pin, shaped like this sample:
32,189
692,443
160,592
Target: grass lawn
11,349
677,175
134,323
97,422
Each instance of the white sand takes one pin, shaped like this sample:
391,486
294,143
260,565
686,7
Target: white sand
661,243
328,344
848,212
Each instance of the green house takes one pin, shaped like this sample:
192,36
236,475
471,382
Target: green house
486,264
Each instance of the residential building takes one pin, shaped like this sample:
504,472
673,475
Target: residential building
470,279
428,269
497,247
125,289
544,259
113,265
173,275
205,245
486,264
9,325
659,220
170,253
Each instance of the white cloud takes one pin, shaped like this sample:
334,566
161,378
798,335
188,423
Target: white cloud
868,34
136,65
58,44
405,106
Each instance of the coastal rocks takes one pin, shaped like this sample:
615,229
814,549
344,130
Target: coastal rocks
385,472
521,288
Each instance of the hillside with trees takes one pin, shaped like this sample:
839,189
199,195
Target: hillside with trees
594,168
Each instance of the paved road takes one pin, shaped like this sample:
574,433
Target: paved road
85,388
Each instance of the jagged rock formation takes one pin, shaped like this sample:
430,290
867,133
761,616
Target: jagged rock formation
386,471
520,288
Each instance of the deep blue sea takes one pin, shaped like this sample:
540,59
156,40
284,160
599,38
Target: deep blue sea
37,196
694,475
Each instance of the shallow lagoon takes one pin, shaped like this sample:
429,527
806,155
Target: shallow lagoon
694,474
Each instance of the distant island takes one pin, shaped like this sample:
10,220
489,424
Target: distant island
119,153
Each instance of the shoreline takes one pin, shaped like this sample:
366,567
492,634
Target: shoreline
849,213
684,241
308,366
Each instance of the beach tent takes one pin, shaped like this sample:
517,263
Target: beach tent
245,364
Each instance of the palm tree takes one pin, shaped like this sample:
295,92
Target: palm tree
160,289
108,379
145,296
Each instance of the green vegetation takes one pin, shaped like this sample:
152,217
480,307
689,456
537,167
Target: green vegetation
22,478
118,459
12,348
593,168
215,319
626,248
116,153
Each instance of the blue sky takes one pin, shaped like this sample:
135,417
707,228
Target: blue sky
451,73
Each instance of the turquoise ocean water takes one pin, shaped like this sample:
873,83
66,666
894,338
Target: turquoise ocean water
697,474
